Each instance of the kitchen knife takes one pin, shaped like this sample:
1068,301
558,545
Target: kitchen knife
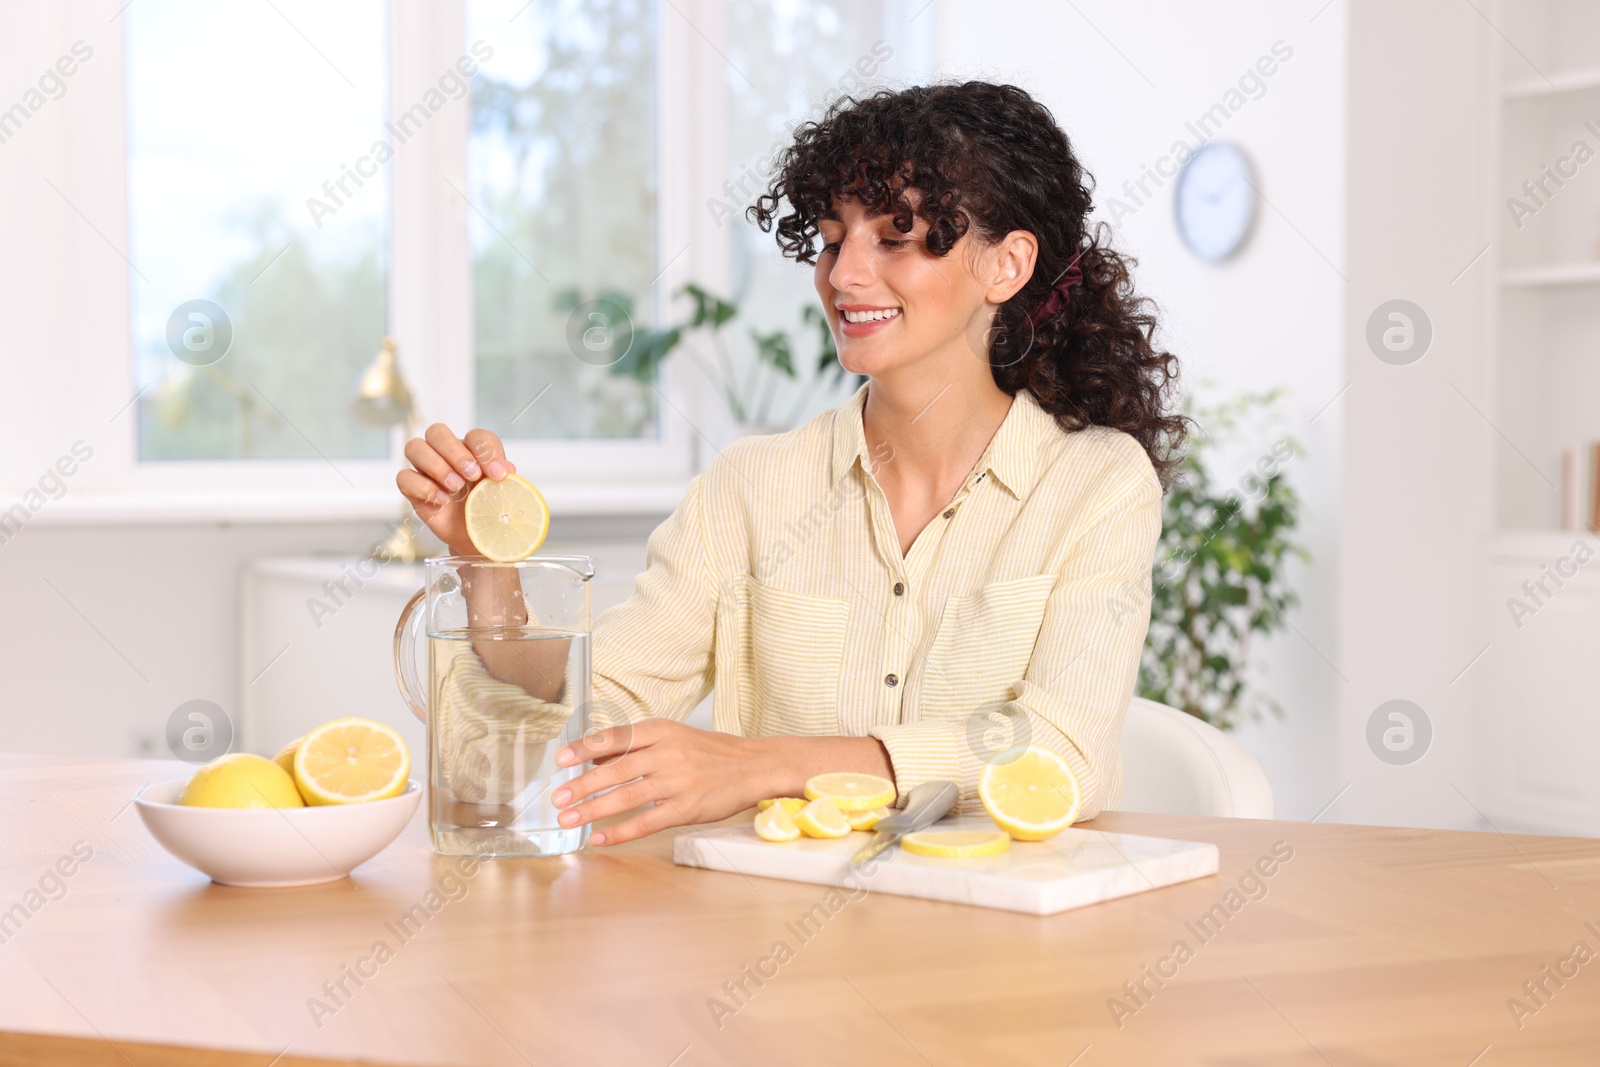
925,805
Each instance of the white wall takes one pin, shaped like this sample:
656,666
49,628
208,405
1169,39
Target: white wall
1368,144
108,629
143,618
1416,482
1123,80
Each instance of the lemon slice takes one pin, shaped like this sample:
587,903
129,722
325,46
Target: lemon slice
776,824
241,780
348,761
851,791
820,818
957,844
1030,792
865,820
790,804
507,520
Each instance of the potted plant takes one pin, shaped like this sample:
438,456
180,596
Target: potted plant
1220,570
750,398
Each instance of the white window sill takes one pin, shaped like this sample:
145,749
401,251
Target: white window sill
87,509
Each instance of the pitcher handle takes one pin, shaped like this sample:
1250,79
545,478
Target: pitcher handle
405,656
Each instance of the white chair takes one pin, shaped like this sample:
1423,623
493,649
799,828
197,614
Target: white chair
1174,764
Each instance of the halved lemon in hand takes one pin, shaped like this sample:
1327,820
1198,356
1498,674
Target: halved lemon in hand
348,761
820,818
852,791
507,520
776,824
957,844
1030,792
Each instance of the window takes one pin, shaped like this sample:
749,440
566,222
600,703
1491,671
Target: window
561,169
787,63
254,196
258,287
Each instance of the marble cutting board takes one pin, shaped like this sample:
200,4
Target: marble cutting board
1070,870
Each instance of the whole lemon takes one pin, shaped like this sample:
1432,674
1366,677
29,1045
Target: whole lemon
285,756
241,780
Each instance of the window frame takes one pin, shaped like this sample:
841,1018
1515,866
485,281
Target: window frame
425,42
81,149
63,249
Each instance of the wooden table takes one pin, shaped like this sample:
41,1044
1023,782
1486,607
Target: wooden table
1369,946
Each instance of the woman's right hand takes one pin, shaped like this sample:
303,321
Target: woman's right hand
445,469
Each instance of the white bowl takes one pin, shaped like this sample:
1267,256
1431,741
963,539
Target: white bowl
274,846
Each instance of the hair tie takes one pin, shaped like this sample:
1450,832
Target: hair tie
1056,299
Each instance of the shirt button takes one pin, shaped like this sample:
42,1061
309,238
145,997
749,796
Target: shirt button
891,681
949,513
899,589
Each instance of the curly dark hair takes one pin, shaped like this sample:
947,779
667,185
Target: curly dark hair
992,158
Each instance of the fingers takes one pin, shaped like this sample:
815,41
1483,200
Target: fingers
486,448
454,451
426,459
424,494
623,798
603,746
660,817
618,771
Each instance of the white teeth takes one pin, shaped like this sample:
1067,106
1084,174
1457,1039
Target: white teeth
870,316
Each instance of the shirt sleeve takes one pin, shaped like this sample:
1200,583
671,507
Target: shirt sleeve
653,653
1083,670
490,735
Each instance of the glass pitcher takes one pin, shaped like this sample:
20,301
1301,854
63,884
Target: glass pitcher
507,686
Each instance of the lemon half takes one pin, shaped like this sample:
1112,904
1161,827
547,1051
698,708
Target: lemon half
507,520
1030,792
348,761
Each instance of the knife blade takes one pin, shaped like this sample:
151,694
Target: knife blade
925,805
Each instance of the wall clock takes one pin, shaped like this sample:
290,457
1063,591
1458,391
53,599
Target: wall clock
1215,201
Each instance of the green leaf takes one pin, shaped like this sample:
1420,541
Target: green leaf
709,309
828,352
619,298
1219,569
649,348
773,349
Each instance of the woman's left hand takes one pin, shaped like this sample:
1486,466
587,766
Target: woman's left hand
689,775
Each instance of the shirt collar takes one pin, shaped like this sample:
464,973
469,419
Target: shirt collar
1012,457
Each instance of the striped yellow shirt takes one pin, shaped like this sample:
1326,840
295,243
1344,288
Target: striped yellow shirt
1017,615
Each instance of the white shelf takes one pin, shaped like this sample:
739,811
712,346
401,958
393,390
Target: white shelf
1537,543
1569,81
1552,274
1533,676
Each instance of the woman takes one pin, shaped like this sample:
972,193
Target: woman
956,560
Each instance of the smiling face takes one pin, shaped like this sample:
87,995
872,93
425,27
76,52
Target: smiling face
894,306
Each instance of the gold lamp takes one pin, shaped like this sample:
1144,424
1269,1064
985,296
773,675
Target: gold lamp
384,400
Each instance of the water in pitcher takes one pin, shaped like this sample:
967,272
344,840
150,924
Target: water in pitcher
504,703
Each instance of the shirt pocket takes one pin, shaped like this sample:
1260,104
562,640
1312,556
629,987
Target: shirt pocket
983,646
794,661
